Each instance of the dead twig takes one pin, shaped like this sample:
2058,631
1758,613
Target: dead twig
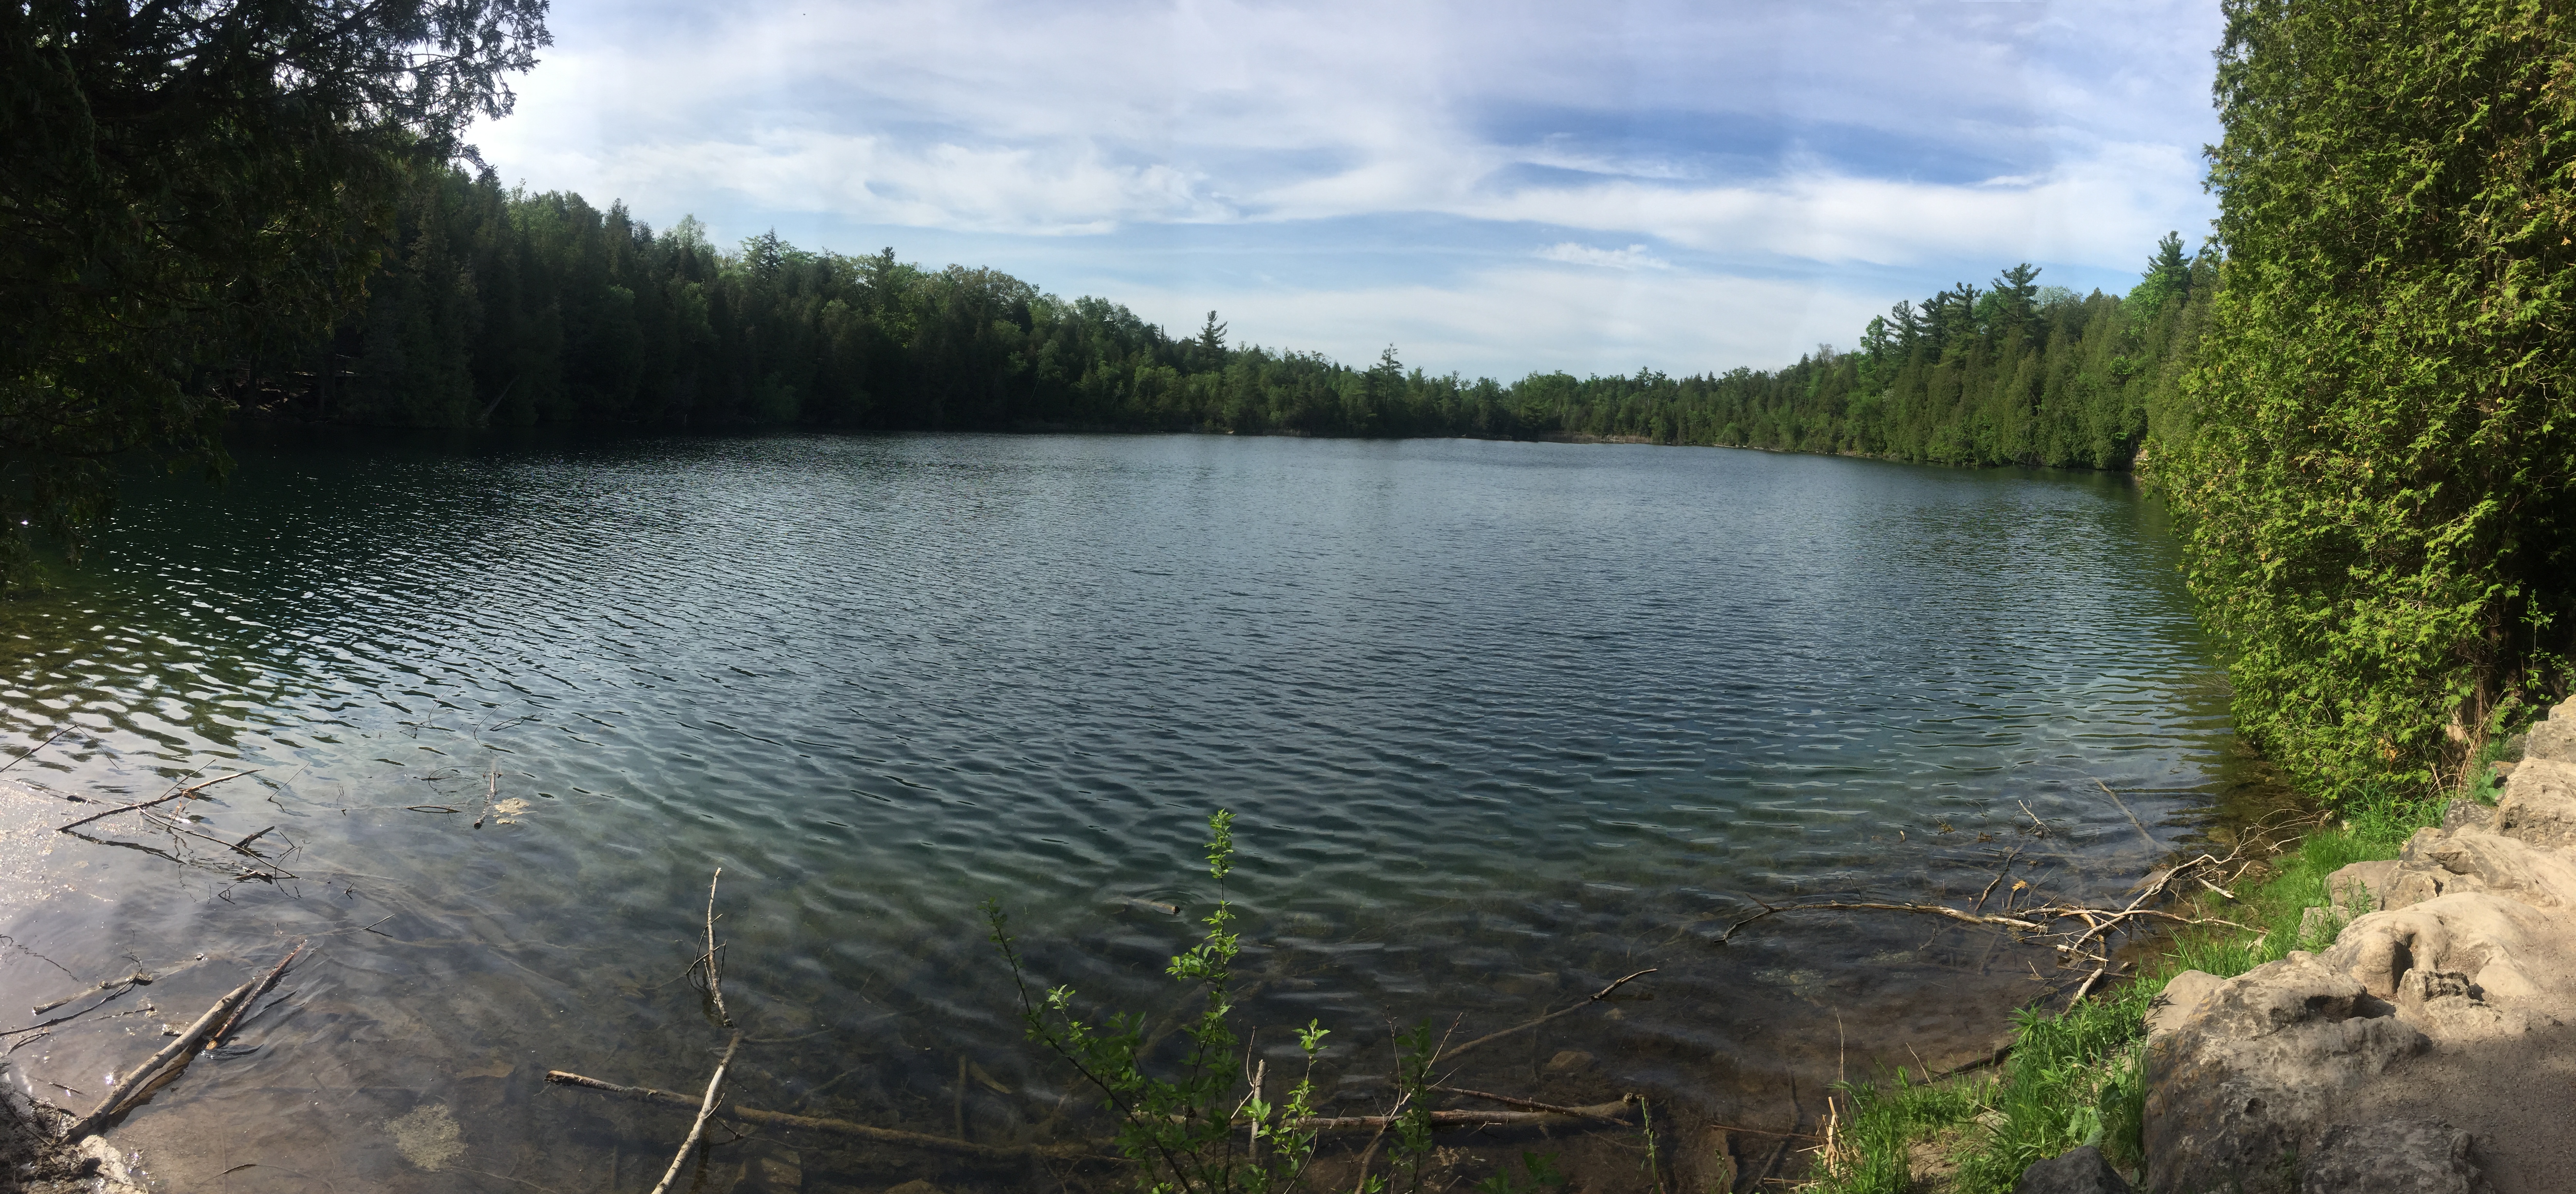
1769,910
1612,1112
838,1127
2152,844
2087,988
713,960
1524,1104
1597,997
175,794
31,751
2000,872
697,1128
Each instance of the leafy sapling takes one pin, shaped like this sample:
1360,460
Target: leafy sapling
1209,1127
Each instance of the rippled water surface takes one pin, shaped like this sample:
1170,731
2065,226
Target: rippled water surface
1502,722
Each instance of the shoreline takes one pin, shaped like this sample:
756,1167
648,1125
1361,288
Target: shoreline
2357,1010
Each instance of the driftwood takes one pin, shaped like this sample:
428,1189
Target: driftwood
837,1127
175,794
1597,997
1523,1104
698,1127
262,989
176,1050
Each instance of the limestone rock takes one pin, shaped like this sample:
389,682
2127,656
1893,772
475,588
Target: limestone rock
2076,1171
2476,934
2399,1157
2258,1070
2539,803
2554,738
2436,863
2180,998
2462,813
2362,885
111,1172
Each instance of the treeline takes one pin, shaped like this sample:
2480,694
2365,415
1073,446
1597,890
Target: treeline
499,308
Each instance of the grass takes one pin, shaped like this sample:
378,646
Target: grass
2077,1076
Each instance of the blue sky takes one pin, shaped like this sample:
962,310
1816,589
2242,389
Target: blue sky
1494,188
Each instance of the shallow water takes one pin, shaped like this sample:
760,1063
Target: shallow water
1502,722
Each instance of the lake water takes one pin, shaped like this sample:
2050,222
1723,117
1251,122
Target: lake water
1502,722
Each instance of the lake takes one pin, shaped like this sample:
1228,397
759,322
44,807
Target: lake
1501,722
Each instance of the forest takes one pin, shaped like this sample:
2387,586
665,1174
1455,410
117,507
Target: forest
496,307
2355,398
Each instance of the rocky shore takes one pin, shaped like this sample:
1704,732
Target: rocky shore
36,1158
2431,1048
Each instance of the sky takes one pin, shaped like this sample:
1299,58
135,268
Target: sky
1491,188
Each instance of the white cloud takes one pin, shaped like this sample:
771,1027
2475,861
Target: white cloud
1749,138
1511,320
1632,257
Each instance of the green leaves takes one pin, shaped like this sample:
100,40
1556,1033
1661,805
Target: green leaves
187,183
2374,488
1202,1126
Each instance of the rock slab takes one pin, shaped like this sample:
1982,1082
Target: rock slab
2427,1049
2398,1157
2076,1171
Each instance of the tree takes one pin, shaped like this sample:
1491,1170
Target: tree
187,181
2375,467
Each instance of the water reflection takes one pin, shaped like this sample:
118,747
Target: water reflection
1503,722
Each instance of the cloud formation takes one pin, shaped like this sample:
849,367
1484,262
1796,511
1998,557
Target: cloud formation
1820,146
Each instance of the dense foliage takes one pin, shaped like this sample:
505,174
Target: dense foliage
499,307
188,178
2373,458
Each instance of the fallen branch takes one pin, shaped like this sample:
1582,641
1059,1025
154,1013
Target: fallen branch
2000,872
1524,1104
264,985
698,1127
2152,844
1768,910
837,1127
175,794
175,1050
1613,1112
713,961
113,984
1597,997
172,826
